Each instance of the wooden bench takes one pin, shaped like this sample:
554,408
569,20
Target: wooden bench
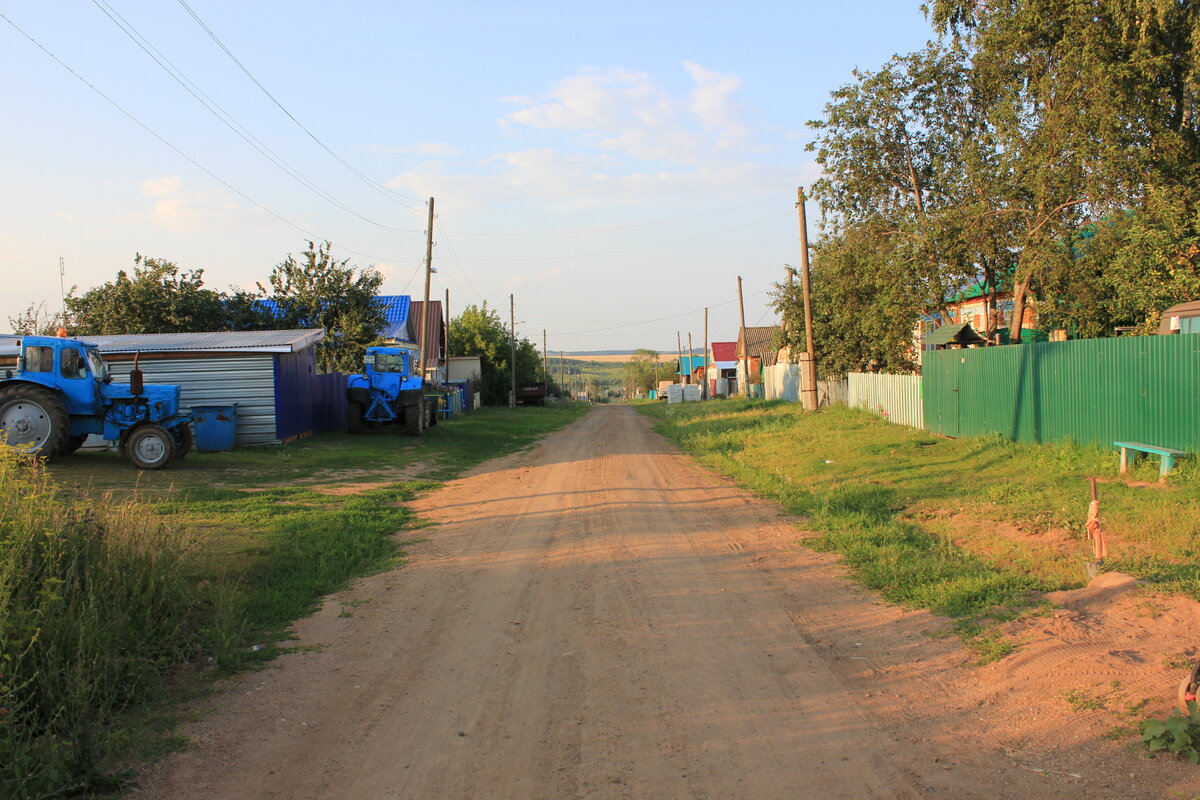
1166,456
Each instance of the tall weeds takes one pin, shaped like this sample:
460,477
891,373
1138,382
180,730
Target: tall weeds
95,605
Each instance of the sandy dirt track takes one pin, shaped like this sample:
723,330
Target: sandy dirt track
600,618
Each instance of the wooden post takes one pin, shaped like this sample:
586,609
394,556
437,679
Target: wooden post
512,335
809,394
742,342
704,388
423,333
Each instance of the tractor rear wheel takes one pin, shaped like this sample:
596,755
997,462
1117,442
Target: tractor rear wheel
184,438
74,443
34,421
414,418
150,446
355,423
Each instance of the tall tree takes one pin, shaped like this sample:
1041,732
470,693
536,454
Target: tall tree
318,291
642,371
479,331
156,298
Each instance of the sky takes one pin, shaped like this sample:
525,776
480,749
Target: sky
613,166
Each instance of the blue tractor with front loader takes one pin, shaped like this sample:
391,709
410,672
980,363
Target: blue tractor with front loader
61,391
388,393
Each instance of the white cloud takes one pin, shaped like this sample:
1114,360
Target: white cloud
629,112
180,210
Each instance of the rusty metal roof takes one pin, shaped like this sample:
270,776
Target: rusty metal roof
758,340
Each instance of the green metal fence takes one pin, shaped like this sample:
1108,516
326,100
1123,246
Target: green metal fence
1139,389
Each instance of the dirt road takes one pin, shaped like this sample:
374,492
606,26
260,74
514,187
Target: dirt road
600,618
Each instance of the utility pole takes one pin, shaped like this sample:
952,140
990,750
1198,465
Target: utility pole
512,336
691,359
446,331
809,392
742,341
423,334
545,361
704,388
679,353
562,373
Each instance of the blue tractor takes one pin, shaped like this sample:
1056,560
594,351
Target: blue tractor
61,391
387,393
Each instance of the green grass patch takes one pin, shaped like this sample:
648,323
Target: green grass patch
973,529
121,591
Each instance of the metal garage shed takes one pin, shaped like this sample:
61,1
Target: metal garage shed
271,375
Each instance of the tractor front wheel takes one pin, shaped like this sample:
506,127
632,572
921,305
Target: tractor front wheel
414,418
355,422
34,421
150,446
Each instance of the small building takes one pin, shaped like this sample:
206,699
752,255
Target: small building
1181,318
693,367
758,345
270,375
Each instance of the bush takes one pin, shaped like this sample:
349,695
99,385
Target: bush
95,605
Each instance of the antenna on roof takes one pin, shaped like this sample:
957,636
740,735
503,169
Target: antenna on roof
62,291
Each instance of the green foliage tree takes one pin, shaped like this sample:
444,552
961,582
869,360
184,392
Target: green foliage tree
36,320
319,291
156,298
642,371
479,331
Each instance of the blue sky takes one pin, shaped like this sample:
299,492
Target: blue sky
614,166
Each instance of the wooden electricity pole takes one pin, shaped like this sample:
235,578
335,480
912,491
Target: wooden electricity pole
679,353
809,393
742,342
545,361
512,337
423,334
446,331
704,388
691,359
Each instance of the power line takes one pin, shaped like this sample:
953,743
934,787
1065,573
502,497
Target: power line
641,247
605,229
651,321
227,119
387,192
307,233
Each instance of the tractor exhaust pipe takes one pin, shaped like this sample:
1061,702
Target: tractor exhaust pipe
136,384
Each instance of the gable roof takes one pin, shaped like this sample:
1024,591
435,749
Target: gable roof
758,341
692,363
724,351
437,330
953,334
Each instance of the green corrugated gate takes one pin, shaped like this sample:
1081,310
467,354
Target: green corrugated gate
1137,388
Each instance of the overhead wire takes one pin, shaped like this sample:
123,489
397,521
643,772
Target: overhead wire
651,321
607,228
227,119
640,247
386,191
307,233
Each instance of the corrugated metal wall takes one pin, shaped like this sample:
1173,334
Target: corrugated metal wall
1138,388
896,397
218,379
782,382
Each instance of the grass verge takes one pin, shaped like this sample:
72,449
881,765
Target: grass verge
973,529
121,590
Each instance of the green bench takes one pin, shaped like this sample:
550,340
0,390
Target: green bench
1166,456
